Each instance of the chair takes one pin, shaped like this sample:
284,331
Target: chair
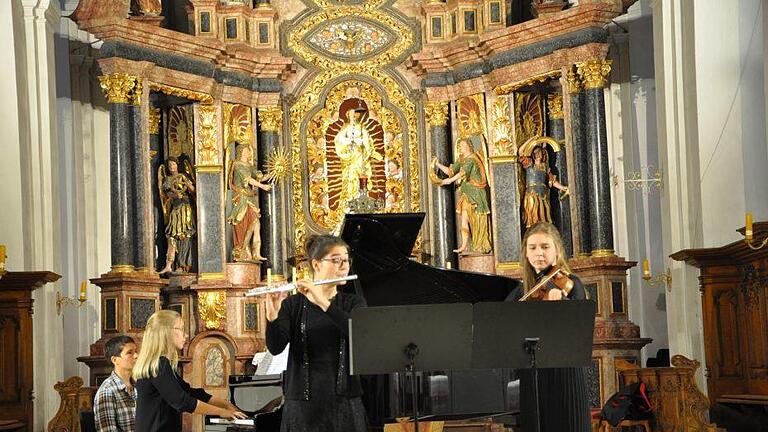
87,421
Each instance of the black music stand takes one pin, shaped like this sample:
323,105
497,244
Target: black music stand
533,335
410,339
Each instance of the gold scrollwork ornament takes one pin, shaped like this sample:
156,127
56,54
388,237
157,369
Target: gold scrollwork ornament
154,121
212,305
208,151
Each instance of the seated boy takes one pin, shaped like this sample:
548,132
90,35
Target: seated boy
114,406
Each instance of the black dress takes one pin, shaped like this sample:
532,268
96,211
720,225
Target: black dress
161,400
320,395
563,393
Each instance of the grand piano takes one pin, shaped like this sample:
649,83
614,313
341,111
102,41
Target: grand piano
381,246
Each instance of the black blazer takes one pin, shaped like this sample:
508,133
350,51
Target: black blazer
290,326
161,400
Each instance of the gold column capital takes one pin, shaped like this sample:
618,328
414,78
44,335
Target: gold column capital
207,144
555,105
154,121
574,83
271,118
437,113
594,73
120,87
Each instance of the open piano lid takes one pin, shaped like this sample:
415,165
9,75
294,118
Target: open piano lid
381,245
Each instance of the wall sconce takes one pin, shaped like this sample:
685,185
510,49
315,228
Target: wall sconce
61,301
647,180
748,234
665,277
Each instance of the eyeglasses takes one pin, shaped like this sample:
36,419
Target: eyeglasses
339,261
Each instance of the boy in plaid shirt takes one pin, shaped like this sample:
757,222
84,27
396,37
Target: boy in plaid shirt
114,406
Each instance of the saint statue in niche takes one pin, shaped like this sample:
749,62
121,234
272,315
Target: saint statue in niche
176,191
244,181
354,147
469,174
538,180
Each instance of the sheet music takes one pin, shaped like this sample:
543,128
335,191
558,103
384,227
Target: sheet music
268,364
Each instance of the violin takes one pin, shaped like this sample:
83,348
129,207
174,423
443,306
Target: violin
556,278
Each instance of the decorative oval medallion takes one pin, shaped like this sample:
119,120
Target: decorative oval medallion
350,38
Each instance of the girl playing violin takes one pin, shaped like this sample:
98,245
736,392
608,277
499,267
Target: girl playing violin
563,395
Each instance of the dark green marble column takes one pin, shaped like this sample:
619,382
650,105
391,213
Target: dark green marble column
118,89
561,210
593,73
506,173
580,188
209,185
159,244
272,203
443,229
141,181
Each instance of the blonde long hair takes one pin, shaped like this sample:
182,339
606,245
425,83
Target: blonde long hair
157,341
529,273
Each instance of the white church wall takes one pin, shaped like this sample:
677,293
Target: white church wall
631,122
712,139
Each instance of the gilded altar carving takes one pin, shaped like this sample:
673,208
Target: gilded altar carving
529,117
192,95
208,149
350,38
503,144
310,45
437,113
120,87
148,7
153,121
238,125
181,137
212,306
398,179
555,106
354,150
409,201
539,78
574,82
594,73
271,119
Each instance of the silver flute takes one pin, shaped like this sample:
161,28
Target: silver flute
292,286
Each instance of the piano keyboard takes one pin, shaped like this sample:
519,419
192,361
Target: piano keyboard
239,422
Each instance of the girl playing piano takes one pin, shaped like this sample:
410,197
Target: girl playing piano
162,394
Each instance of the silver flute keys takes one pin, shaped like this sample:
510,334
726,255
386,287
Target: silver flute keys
292,286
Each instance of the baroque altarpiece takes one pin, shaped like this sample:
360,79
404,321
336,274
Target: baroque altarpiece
239,128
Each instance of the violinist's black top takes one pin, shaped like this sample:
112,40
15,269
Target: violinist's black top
577,292
563,392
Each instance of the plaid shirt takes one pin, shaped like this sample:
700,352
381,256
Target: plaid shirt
114,408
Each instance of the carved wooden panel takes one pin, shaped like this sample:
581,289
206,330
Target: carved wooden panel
734,285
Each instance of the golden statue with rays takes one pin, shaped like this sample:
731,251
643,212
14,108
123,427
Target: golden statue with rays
354,146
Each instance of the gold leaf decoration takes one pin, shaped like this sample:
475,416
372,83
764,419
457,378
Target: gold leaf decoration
208,151
213,306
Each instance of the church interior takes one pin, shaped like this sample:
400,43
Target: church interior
178,154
